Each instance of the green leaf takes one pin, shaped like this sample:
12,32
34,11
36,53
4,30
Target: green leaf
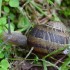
14,3
5,27
36,59
24,23
1,29
5,64
6,9
8,47
3,21
2,69
12,27
12,16
1,55
7,51
7,0
67,12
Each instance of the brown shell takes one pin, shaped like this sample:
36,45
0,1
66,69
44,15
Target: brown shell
47,38
57,25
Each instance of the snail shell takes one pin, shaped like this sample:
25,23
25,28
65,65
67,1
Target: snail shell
47,38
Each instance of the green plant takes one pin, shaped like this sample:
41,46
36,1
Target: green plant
23,15
4,54
4,64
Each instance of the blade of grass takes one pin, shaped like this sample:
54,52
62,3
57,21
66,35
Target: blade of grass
38,8
27,1
65,64
49,64
45,65
0,7
56,51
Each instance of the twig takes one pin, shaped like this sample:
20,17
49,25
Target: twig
27,55
29,52
56,60
60,59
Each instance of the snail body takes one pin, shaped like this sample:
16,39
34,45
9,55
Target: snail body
15,38
47,38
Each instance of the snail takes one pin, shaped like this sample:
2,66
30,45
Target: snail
44,38
49,37
15,37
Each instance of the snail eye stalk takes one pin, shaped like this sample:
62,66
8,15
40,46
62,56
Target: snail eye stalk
9,29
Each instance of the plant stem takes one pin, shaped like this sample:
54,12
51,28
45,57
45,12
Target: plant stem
0,7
